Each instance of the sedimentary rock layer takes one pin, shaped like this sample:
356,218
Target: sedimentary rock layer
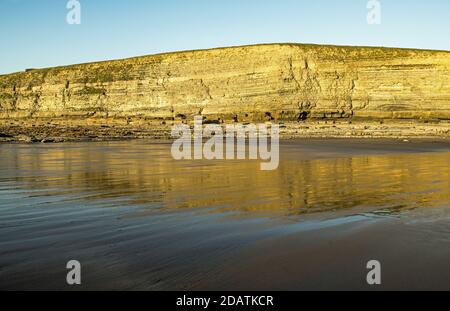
280,82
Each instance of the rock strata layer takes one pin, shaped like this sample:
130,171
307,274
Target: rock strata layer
280,82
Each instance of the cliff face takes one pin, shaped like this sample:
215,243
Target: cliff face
284,82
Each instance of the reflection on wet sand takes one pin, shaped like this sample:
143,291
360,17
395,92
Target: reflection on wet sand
137,219
146,176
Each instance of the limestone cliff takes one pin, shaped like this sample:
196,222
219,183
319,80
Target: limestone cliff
280,81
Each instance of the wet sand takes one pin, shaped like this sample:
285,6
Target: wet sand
138,220
413,253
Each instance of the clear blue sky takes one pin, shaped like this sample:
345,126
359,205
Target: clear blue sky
34,33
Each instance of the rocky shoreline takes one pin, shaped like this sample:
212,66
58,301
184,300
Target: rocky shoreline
63,130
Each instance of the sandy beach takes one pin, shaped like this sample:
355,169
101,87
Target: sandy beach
138,220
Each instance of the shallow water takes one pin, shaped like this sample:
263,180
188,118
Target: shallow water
137,219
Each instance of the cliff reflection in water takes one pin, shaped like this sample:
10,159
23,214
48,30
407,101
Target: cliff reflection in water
144,175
